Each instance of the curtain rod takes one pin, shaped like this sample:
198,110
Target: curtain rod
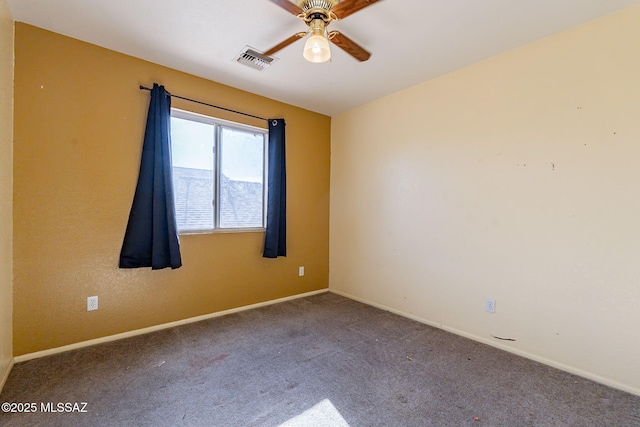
208,105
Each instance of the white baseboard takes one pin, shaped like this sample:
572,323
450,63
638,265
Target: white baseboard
109,338
567,368
5,375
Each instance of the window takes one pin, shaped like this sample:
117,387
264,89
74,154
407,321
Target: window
219,174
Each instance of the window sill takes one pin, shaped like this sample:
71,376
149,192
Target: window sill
223,231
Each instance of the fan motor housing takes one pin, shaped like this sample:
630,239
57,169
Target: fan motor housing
317,9
317,4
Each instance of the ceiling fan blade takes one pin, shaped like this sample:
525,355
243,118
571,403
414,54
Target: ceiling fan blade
348,7
285,43
349,46
288,6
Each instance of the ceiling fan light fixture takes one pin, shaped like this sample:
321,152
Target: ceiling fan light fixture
316,49
318,14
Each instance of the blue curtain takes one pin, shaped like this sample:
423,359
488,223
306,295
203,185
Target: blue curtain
275,243
151,239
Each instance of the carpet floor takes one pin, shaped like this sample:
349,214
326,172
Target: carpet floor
318,361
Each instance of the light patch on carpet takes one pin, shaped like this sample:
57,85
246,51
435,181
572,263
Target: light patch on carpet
323,414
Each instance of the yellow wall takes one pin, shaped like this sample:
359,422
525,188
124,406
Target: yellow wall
6,191
79,124
516,178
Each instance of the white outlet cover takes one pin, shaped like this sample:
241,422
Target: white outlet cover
300,271
490,305
92,303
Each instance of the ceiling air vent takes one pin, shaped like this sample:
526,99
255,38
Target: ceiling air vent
254,59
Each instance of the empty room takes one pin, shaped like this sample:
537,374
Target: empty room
319,213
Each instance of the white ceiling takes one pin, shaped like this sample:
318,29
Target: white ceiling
410,40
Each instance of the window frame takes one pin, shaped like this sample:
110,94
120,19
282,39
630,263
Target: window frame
219,125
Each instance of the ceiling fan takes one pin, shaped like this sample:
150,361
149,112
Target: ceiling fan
318,14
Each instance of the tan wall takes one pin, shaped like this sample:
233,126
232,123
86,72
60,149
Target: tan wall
516,178
79,123
6,187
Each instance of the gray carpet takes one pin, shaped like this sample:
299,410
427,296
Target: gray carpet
318,361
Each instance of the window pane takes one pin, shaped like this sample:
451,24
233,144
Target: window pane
242,179
192,157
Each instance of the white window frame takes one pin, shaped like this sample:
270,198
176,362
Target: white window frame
219,124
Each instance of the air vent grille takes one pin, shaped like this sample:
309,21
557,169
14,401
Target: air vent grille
254,59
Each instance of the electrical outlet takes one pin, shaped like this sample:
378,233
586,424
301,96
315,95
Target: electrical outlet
301,271
490,305
92,303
